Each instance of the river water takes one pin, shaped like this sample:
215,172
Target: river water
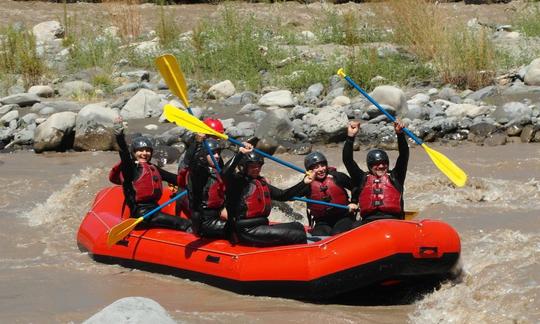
44,278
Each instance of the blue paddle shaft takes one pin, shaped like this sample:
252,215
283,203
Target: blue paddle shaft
275,159
150,213
320,202
368,97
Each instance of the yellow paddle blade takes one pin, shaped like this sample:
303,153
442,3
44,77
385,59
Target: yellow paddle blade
172,75
411,214
449,168
184,119
118,232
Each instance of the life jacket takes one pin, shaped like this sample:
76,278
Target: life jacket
115,175
257,199
379,194
182,177
148,187
214,191
327,190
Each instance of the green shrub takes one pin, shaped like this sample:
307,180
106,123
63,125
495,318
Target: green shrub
363,65
528,20
18,56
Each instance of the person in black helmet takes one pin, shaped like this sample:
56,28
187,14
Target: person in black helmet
206,190
379,191
328,185
142,181
249,201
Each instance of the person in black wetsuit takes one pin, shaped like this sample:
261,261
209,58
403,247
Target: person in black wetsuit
378,192
194,148
206,190
249,202
142,181
328,185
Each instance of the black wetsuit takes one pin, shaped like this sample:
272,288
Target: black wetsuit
206,220
130,172
358,176
256,231
335,220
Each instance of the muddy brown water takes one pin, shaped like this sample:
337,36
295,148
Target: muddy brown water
44,278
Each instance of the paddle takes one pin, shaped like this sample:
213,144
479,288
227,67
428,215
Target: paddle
408,214
192,123
174,78
447,167
119,231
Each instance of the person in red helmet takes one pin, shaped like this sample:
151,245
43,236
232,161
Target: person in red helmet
379,191
194,146
141,181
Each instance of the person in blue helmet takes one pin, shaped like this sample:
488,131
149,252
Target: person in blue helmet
378,191
141,181
331,186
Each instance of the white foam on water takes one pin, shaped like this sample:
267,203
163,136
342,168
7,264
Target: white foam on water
497,286
68,203
423,190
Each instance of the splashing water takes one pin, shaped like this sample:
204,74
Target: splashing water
497,286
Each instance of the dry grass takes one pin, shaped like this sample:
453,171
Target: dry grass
126,16
461,56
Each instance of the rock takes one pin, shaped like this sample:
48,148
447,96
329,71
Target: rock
48,31
419,99
391,96
21,99
7,118
417,112
308,35
313,92
63,105
166,154
94,128
514,130
275,125
280,98
30,118
340,101
137,76
127,87
221,90
247,109
244,98
528,133
145,103
16,89
466,110
132,310
47,110
42,91
56,133
497,138
480,131
532,76
449,94
76,88
512,111
7,108
330,124
482,93
299,111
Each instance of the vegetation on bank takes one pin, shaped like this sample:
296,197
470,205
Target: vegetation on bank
254,53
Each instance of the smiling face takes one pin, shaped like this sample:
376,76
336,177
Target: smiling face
143,154
320,170
379,169
253,170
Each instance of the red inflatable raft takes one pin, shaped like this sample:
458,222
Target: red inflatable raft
381,253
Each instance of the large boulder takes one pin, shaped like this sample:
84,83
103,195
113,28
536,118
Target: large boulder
329,124
275,125
56,133
512,111
221,90
48,31
391,96
94,128
146,103
21,99
280,98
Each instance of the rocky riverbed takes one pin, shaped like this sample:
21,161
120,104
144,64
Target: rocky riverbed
70,113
